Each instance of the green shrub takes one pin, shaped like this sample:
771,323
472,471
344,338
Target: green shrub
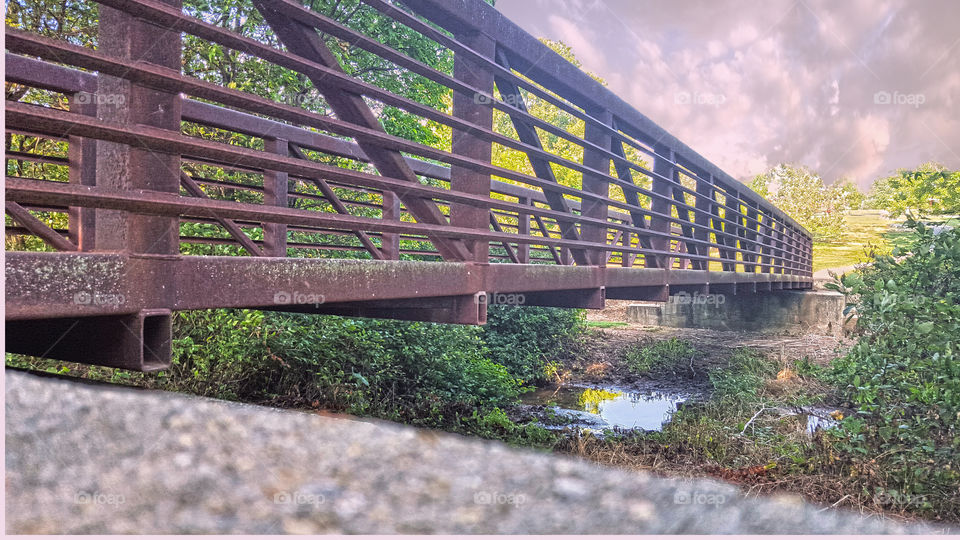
385,368
495,424
527,340
929,188
903,375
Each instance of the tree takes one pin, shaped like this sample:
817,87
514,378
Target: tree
852,196
536,106
928,189
801,193
517,160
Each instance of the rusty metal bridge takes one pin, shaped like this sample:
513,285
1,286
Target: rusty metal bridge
134,190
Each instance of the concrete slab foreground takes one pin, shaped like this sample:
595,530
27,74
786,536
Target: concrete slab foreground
88,459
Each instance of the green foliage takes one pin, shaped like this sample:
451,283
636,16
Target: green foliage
527,340
399,370
495,424
903,376
802,194
853,198
384,368
744,377
72,20
930,189
641,359
427,374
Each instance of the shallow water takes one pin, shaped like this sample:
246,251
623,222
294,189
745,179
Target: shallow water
607,408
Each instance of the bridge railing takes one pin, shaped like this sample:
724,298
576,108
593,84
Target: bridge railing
533,161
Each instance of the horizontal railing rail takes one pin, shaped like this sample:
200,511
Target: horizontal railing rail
209,169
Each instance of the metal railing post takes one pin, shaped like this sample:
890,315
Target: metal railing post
82,155
390,211
663,170
275,189
596,185
523,229
474,110
123,102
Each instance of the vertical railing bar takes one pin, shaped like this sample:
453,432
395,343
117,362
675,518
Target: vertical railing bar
523,229
276,188
82,156
596,185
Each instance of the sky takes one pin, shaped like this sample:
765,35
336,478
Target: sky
853,89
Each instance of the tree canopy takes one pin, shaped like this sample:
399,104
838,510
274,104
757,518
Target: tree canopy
928,189
803,195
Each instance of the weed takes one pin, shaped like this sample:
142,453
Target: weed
642,359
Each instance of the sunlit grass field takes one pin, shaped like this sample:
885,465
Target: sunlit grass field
866,231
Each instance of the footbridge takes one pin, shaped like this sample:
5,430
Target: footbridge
423,165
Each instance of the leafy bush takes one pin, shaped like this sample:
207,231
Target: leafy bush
386,368
527,340
902,376
929,188
393,369
495,424
642,359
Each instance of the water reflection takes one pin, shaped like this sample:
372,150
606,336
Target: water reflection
612,408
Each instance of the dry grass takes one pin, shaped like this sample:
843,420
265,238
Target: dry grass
773,454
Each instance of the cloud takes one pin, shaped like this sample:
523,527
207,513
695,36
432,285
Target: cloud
579,40
782,81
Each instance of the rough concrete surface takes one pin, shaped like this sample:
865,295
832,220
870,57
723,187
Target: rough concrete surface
85,458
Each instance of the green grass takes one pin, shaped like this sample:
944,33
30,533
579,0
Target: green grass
605,324
641,359
866,229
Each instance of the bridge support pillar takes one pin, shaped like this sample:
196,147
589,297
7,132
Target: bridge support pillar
786,312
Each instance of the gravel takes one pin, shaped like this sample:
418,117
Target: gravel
87,458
